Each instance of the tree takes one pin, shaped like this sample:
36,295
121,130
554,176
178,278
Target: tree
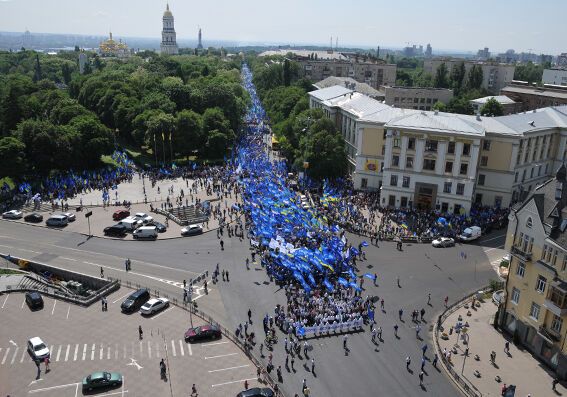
324,150
529,72
214,119
475,77
492,108
460,105
217,144
12,157
94,139
440,106
441,76
286,73
458,76
66,72
159,128
188,132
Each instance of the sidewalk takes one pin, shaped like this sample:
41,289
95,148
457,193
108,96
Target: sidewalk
519,368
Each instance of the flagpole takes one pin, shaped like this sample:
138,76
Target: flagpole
170,147
163,146
155,148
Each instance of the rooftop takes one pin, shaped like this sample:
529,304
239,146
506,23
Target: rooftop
363,88
501,99
447,123
321,55
546,92
325,94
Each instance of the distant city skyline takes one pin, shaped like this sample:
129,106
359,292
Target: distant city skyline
520,25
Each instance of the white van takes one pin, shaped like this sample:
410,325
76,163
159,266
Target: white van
130,224
145,232
470,234
57,220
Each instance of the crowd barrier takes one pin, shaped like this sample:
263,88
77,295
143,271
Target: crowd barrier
328,329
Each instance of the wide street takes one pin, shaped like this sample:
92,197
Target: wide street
163,265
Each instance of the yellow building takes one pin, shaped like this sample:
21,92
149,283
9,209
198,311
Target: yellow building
113,48
535,308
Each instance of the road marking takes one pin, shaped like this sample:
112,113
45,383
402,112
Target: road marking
84,352
157,350
77,390
222,355
68,259
226,369
141,349
122,297
58,353
5,355
23,303
14,356
27,250
234,381
5,300
181,347
0,349
67,352
108,352
23,355
172,348
95,264
213,343
53,310
189,348
149,349
51,351
52,388
93,347
101,352
68,310
116,351
163,311
76,349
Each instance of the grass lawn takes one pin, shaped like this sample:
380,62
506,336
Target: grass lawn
9,271
7,180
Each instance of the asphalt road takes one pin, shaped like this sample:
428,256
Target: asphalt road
367,368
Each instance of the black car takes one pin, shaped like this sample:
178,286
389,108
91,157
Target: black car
34,217
160,227
34,300
116,230
135,300
256,392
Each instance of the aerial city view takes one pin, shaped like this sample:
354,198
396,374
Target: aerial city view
260,199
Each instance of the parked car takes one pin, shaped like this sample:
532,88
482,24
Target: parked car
145,232
34,300
135,300
192,230
34,217
154,305
120,214
115,230
204,332
443,242
37,348
103,379
141,216
70,216
160,227
256,392
130,223
12,214
57,220
470,234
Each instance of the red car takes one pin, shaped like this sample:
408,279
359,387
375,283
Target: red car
203,332
120,214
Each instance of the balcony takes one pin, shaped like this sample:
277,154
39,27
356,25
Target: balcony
556,301
548,334
521,254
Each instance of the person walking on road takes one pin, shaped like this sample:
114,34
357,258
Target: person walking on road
101,272
345,338
408,362
435,359
46,361
446,300
429,299
396,330
554,384
507,347
194,391
250,316
401,313
421,378
140,332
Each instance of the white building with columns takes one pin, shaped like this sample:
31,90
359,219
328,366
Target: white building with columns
444,161
168,37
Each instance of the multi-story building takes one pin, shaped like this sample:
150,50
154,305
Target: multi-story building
351,84
168,36
554,76
562,59
508,104
441,160
495,75
483,55
534,311
416,97
530,97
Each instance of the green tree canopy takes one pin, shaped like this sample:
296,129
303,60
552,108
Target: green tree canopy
492,108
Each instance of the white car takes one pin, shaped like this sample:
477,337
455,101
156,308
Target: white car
191,230
13,214
141,216
37,348
70,216
154,305
443,242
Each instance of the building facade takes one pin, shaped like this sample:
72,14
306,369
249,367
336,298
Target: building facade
534,311
531,97
495,76
444,161
554,76
168,36
416,97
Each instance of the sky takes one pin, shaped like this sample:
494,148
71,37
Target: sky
524,25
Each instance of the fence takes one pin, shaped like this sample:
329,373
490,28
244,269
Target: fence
192,309
468,388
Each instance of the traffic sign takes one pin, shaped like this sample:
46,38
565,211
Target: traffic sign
88,214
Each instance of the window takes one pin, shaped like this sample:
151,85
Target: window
415,100
554,259
396,142
515,295
451,148
466,149
405,181
460,189
392,201
411,143
534,311
481,179
524,176
393,180
521,270
429,164
556,323
486,145
515,177
421,100
363,183
397,99
483,161
449,167
428,100
447,187
532,173
540,284
430,145
564,265
529,223
464,168
404,202
409,162
395,161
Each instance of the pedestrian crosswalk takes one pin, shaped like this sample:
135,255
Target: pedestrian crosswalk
100,351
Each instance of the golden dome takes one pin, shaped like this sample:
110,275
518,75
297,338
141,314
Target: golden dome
167,13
